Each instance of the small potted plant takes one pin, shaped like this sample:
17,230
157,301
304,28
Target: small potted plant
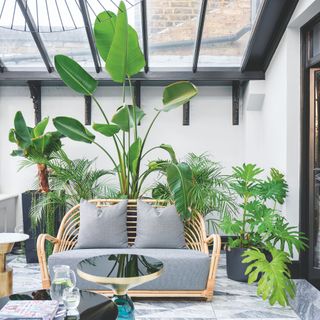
36,147
263,241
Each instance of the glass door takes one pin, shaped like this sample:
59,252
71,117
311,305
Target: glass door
314,178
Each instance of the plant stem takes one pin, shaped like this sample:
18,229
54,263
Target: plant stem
115,137
157,147
134,110
99,106
112,160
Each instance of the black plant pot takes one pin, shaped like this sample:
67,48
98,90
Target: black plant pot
34,232
235,268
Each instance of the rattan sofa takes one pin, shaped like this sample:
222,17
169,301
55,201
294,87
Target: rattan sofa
197,252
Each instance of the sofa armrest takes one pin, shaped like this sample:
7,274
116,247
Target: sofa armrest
215,256
41,252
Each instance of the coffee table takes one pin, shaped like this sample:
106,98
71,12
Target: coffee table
7,240
92,306
120,272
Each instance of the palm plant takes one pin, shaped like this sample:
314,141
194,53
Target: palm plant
71,181
35,145
209,191
117,43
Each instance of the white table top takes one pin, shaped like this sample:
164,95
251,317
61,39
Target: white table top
12,237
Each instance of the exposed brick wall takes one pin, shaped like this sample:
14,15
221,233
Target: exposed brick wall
176,20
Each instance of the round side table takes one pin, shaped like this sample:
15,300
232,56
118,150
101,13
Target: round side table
7,240
120,272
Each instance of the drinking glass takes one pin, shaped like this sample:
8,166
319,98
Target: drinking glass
71,300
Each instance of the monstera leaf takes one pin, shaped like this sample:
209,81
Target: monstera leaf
74,76
275,283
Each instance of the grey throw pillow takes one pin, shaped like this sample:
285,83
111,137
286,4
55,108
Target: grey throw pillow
158,228
104,227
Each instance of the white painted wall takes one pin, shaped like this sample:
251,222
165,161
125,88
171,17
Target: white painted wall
210,129
272,134
269,136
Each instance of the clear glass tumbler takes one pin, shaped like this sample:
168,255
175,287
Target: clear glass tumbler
71,300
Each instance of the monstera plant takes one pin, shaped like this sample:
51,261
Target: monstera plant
118,46
263,241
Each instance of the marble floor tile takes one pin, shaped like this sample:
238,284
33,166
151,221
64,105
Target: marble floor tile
173,309
232,300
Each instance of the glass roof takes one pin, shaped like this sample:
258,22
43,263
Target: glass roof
226,32
172,30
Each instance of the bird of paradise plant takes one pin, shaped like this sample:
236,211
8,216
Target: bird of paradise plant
118,46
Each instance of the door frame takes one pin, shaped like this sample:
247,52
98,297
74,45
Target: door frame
308,66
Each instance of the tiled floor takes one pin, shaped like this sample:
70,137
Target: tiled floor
232,300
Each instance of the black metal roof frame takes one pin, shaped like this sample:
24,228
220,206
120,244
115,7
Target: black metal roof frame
270,25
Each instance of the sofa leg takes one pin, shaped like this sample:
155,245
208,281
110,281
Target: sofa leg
46,284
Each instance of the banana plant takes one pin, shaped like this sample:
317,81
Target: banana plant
35,145
118,46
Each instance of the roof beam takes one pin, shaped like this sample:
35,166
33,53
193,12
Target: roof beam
35,34
197,46
88,26
144,23
216,76
267,32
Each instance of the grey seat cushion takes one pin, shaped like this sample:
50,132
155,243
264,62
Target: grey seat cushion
158,228
184,269
104,227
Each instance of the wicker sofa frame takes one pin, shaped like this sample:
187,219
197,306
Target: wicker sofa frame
195,235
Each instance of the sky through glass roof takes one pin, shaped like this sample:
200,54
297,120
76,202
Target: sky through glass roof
172,29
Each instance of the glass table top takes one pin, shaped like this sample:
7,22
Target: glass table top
92,306
119,266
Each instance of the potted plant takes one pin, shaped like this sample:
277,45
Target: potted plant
37,147
118,45
263,242
209,193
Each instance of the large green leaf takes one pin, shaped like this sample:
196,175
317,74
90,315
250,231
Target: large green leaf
171,152
73,129
116,63
108,130
124,117
22,132
177,94
135,57
124,57
104,27
40,127
47,143
74,76
275,283
179,178
134,152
